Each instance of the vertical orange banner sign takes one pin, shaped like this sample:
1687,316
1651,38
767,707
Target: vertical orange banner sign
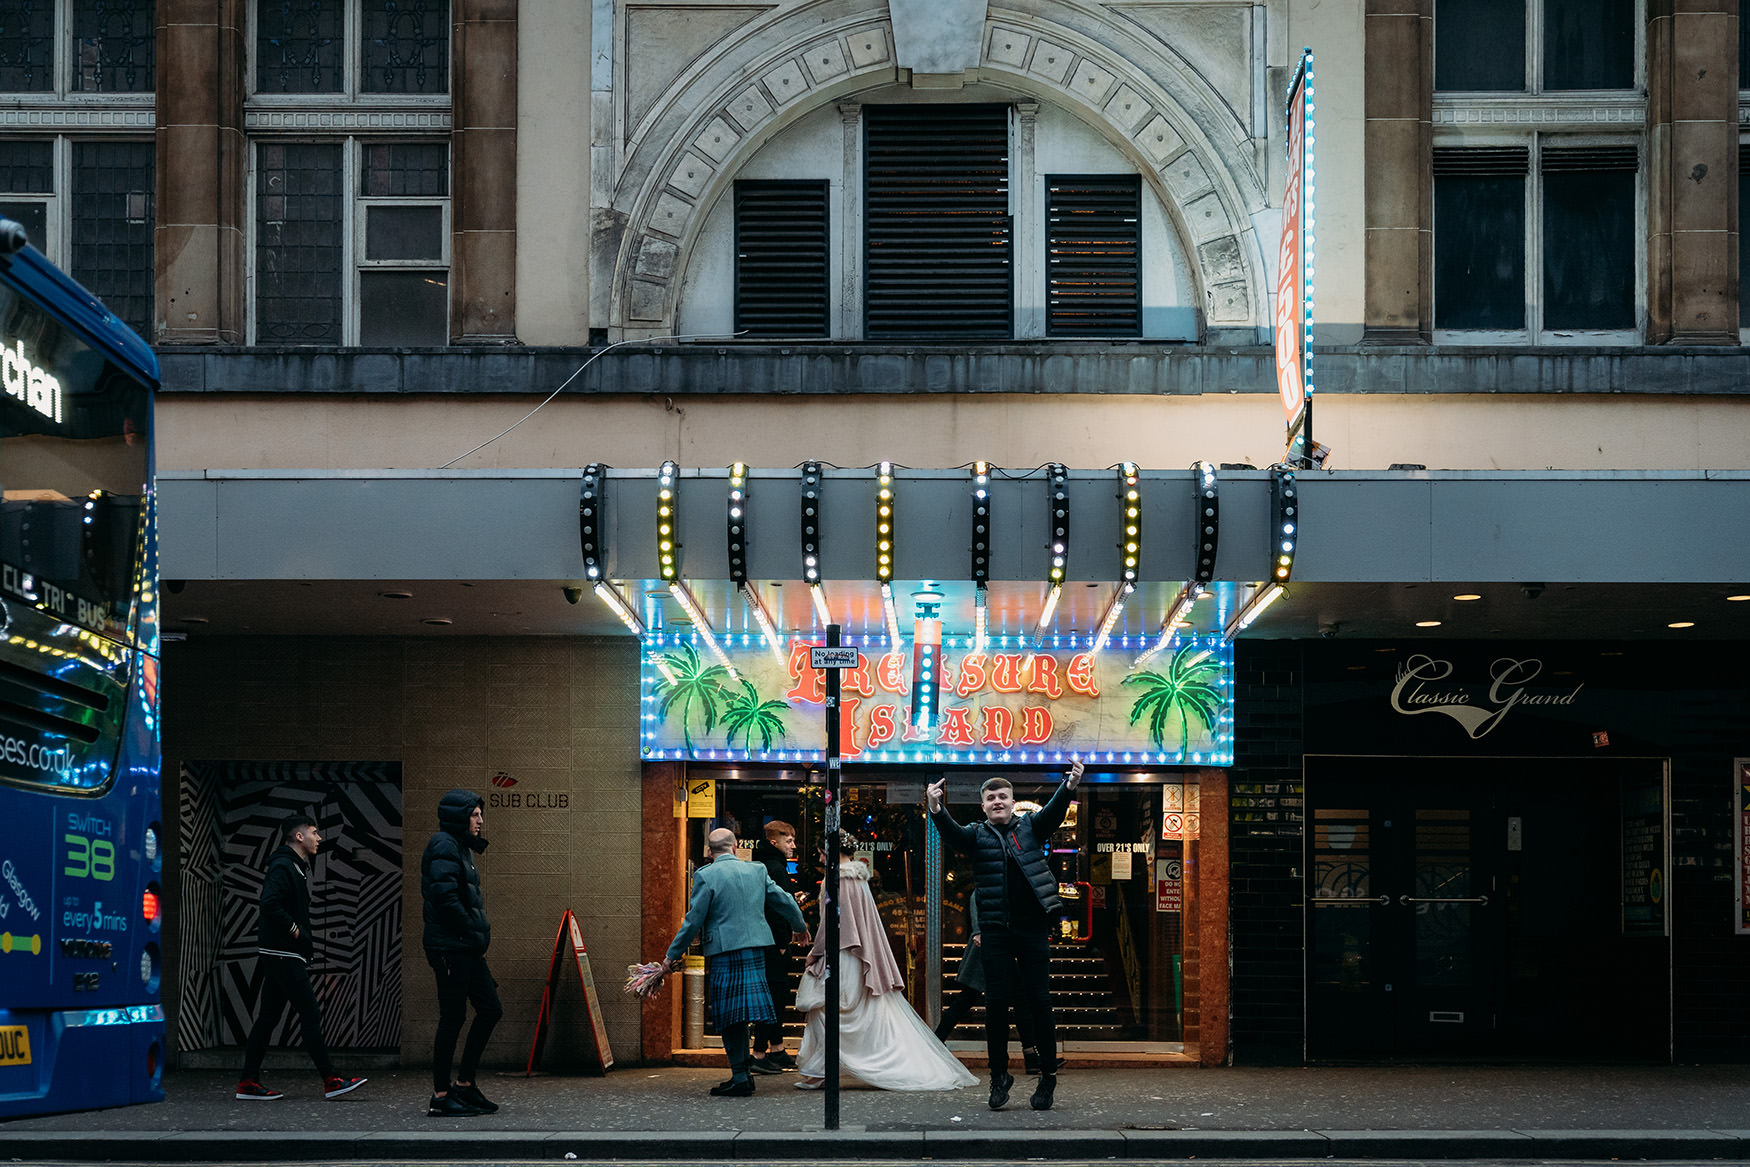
1294,254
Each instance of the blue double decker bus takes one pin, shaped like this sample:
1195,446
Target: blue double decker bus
81,845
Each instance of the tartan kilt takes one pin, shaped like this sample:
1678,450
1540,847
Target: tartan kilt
735,988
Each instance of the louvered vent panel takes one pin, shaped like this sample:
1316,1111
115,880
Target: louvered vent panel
1482,160
1093,255
781,259
1566,159
936,204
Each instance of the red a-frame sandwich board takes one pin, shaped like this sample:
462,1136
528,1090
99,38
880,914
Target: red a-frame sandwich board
570,941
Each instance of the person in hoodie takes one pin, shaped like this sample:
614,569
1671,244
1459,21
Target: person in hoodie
286,945
457,934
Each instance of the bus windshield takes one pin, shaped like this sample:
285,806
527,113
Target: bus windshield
73,467
75,463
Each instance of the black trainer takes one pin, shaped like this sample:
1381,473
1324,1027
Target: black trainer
472,1096
764,1066
734,1088
1047,1089
449,1106
999,1089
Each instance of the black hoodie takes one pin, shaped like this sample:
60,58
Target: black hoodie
285,901
455,909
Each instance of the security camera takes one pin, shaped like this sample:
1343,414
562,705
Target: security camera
573,594
13,238
1531,590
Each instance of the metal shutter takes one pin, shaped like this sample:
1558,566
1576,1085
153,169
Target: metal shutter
938,236
781,259
1093,245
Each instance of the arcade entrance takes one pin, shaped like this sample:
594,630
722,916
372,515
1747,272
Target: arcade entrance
1125,966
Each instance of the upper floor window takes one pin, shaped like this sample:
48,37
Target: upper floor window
352,243
351,48
1537,46
1536,242
87,205
77,46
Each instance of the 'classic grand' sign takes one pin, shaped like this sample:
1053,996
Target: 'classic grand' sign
1426,684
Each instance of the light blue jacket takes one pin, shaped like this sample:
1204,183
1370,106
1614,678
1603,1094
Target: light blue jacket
728,911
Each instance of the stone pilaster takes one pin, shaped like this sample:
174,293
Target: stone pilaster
1692,171
851,224
199,258
1399,134
1026,209
483,240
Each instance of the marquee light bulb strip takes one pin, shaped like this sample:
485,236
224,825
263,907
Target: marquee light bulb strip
1263,595
981,523
1057,478
980,619
738,503
1114,609
1205,520
702,626
768,628
884,527
811,497
1285,516
890,613
667,506
1130,496
589,522
1179,611
821,611
618,606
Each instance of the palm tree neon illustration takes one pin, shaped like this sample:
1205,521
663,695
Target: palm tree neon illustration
686,680
1187,687
746,714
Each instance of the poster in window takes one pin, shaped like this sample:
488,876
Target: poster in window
1645,858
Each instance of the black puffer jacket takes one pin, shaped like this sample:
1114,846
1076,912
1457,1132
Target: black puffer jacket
455,909
1025,838
778,868
285,901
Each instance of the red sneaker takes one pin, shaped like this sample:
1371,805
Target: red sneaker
335,1087
250,1090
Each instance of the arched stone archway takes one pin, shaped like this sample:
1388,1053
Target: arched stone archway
695,139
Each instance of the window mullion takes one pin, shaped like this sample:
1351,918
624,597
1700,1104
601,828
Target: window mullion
61,56
353,212
1534,240
1534,53
61,206
352,23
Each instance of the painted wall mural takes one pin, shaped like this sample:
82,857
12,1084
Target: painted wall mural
1009,702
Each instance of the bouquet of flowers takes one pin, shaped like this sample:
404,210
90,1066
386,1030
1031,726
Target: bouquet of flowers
644,981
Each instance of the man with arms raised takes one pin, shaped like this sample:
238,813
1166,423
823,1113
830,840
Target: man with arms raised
1017,903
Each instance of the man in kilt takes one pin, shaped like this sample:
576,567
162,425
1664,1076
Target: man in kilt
728,914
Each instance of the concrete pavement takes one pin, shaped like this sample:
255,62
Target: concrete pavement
1373,1112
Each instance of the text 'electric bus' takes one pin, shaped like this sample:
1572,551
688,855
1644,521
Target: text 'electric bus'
81,847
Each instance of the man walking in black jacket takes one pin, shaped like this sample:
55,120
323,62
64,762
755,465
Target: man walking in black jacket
287,946
457,934
1017,901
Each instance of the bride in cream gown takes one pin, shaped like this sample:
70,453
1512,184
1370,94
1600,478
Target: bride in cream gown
882,1041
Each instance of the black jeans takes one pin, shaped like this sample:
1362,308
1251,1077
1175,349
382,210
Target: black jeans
286,979
461,978
1017,975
